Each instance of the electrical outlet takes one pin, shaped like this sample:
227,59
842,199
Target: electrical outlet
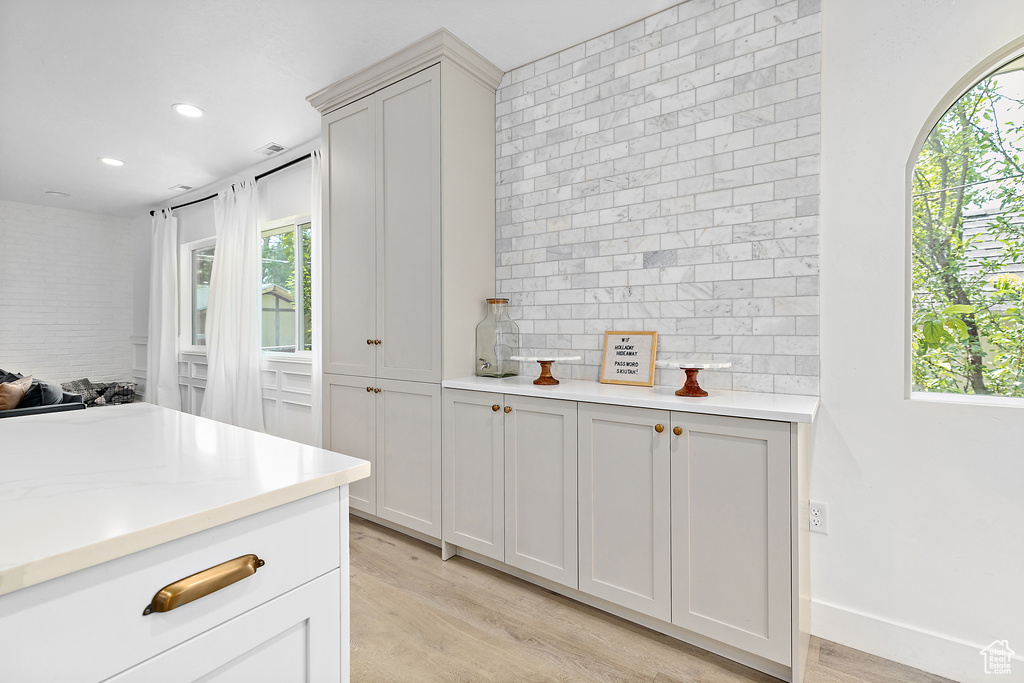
818,517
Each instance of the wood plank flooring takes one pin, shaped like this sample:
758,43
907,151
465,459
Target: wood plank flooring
418,619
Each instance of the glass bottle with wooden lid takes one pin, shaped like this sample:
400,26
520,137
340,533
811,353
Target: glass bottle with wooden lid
497,340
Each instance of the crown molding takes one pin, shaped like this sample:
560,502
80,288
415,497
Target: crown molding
438,46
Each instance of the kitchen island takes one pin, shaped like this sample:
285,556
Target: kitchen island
102,509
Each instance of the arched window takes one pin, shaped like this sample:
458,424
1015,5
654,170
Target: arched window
968,243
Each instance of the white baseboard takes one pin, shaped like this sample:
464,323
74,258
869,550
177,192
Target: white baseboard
932,652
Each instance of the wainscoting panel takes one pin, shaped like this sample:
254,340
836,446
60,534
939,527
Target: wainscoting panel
287,392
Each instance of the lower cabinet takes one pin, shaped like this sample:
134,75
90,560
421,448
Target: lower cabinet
396,426
289,621
625,507
686,518
510,481
683,517
731,557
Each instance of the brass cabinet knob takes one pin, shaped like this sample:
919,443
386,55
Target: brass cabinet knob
677,430
369,342
369,389
495,407
659,428
376,342
508,409
376,390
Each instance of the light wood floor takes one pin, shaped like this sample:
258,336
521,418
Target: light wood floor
418,619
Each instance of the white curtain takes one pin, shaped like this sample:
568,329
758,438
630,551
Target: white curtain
317,284
162,351
233,390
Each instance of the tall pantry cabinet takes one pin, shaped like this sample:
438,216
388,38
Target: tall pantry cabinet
407,261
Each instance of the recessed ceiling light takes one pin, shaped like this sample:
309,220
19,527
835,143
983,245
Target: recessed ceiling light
111,162
189,110
54,193
180,188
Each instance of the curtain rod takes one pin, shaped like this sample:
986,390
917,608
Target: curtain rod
256,179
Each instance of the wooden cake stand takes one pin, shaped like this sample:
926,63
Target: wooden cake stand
545,361
692,367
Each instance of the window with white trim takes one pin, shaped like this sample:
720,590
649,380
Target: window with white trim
196,266
286,323
967,241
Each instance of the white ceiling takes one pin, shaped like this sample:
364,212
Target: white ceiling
84,79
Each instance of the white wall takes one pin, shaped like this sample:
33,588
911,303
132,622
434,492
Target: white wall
664,177
924,562
65,293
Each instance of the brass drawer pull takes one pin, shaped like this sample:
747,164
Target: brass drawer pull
659,428
376,390
495,407
203,583
369,342
508,409
376,342
677,430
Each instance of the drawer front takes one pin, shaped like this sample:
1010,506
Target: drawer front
89,625
294,637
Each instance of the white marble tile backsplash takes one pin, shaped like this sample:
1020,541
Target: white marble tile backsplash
664,176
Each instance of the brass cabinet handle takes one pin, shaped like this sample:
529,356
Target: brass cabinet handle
376,342
508,409
369,389
376,390
203,583
369,342
495,407
677,430
659,428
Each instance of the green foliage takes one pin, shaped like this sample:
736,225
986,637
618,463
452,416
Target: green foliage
279,269
968,332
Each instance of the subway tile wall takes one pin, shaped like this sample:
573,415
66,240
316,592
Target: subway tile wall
65,293
665,177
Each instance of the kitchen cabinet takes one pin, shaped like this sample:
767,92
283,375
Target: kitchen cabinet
691,515
407,260
625,507
95,542
383,286
731,531
396,426
510,481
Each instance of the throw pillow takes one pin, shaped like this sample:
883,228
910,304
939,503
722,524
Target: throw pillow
120,392
11,393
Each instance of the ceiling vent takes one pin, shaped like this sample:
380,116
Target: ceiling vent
180,188
270,149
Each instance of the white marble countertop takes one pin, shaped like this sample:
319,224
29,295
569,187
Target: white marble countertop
781,407
83,487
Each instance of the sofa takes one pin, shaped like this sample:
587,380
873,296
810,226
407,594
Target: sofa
36,396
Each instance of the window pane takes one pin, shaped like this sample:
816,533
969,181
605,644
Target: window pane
202,266
278,292
307,275
968,244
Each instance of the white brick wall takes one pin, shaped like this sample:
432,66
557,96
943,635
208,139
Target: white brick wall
65,293
665,177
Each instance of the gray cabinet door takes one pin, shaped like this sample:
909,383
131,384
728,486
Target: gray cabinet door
541,488
409,228
624,488
731,554
350,428
349,243
409,455
472,458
